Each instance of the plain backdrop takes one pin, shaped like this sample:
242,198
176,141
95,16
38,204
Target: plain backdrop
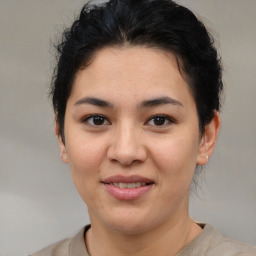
38,201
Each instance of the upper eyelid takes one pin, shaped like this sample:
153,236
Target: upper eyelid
169,120
87,117
93,115
162,115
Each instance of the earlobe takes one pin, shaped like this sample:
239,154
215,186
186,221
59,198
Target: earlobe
208,140
63,151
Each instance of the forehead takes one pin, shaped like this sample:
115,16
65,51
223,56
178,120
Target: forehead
131,71
132,61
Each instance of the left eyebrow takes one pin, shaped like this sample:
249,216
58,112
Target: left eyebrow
160,101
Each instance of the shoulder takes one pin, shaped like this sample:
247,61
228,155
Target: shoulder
60,248
211,242
67,247
230,247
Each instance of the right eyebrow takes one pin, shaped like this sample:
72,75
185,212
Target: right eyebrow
94,101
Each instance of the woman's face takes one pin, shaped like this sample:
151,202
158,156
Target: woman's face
132,138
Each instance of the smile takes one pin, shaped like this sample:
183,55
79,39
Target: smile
127,188
128,185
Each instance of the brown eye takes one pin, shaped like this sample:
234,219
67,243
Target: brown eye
96,120
160,120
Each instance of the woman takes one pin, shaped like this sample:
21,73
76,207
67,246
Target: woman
136,95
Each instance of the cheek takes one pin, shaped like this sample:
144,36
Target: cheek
176,165
175,155
175,158
85,158
86,154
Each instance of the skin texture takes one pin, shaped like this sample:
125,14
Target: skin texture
127,141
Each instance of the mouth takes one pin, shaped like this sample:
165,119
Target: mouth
128,185
127,188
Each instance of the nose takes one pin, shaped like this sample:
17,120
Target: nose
127,146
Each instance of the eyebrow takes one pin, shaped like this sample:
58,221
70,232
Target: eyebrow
160,101
147,103
94,101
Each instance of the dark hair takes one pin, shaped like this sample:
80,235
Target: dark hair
160,24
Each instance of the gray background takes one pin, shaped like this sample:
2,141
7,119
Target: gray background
38,202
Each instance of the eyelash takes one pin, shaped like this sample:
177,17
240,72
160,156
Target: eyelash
164,118
87,118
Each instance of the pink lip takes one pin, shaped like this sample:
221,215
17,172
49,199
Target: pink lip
127,193
127,179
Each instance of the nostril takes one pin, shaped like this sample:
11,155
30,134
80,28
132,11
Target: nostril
127,154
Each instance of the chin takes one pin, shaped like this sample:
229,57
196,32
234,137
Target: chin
129,228
129,224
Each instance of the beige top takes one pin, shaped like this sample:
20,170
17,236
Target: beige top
208,243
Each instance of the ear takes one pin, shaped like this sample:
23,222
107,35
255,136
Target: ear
208,140
63,151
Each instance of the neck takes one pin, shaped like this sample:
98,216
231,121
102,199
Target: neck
165,239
